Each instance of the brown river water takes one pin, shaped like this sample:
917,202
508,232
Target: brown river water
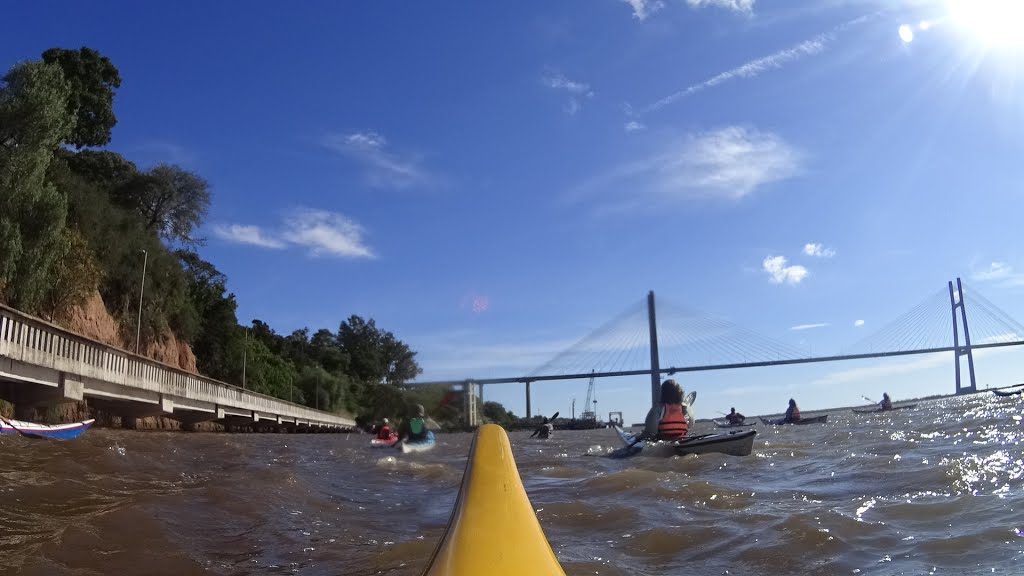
935,490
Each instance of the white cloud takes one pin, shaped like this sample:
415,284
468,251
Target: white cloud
858,323
799,327
757,66
644,8
1001,274
728,163
383,168
634,126
246,234
995,271
323,233
818,250
326,234
743,6
779,272
577,91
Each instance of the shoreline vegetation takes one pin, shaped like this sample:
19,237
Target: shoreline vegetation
82,228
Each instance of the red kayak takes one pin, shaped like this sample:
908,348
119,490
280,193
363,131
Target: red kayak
384,442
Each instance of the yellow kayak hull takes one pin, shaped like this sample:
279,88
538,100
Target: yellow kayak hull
493,529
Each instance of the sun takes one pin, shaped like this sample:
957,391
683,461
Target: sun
992,21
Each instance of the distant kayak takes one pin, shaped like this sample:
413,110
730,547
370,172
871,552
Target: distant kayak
877,409
739,443
802,421
728,425
66,431
1014,393
493,528
421,446
384,442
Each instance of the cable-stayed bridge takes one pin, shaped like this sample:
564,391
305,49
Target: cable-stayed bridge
664,339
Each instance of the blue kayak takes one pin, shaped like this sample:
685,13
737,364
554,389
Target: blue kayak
66,431
420,446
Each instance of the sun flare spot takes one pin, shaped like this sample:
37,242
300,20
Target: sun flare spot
992,21
906,34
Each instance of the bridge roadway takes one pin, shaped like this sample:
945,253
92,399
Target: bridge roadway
42,364
673,370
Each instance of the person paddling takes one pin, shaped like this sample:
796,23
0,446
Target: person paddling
886,402
734,417
669,420
792,413
384,432
544,430
414,429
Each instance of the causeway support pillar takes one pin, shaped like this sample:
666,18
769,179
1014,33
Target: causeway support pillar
652,325
956,300
529,413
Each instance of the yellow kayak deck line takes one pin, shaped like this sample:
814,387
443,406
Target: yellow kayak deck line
493,529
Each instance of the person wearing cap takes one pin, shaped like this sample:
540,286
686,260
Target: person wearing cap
384,432
670,419
414,429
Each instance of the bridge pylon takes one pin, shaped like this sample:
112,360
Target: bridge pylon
956,301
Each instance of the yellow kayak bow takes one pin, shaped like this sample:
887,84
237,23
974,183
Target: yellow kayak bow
493,529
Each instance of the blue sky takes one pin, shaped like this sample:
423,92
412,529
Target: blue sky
492,182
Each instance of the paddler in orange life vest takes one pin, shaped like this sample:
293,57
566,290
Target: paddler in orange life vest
384,432
792,413
669,420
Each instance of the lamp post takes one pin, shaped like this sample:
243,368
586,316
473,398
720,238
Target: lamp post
142,291
245,355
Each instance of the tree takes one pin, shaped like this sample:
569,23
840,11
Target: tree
76,275
33,121
92,79
497,413
218,338
103,170
375,356
171,200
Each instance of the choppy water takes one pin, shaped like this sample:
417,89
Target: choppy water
939,489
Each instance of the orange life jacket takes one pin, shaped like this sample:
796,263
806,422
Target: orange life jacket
795,416
673,425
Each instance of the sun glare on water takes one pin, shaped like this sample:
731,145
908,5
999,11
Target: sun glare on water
992,21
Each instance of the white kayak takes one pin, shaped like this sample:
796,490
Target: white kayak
421,446
739,443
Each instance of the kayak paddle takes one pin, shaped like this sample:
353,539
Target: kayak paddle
552,420
19,431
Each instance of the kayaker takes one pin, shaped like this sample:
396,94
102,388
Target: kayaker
886,402
669,420
414,429
792,413
544,430
734,417
384,432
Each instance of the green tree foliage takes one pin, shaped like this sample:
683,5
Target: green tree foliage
33,121
375,356
92,78
218,340
171,201
496,413
75,275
